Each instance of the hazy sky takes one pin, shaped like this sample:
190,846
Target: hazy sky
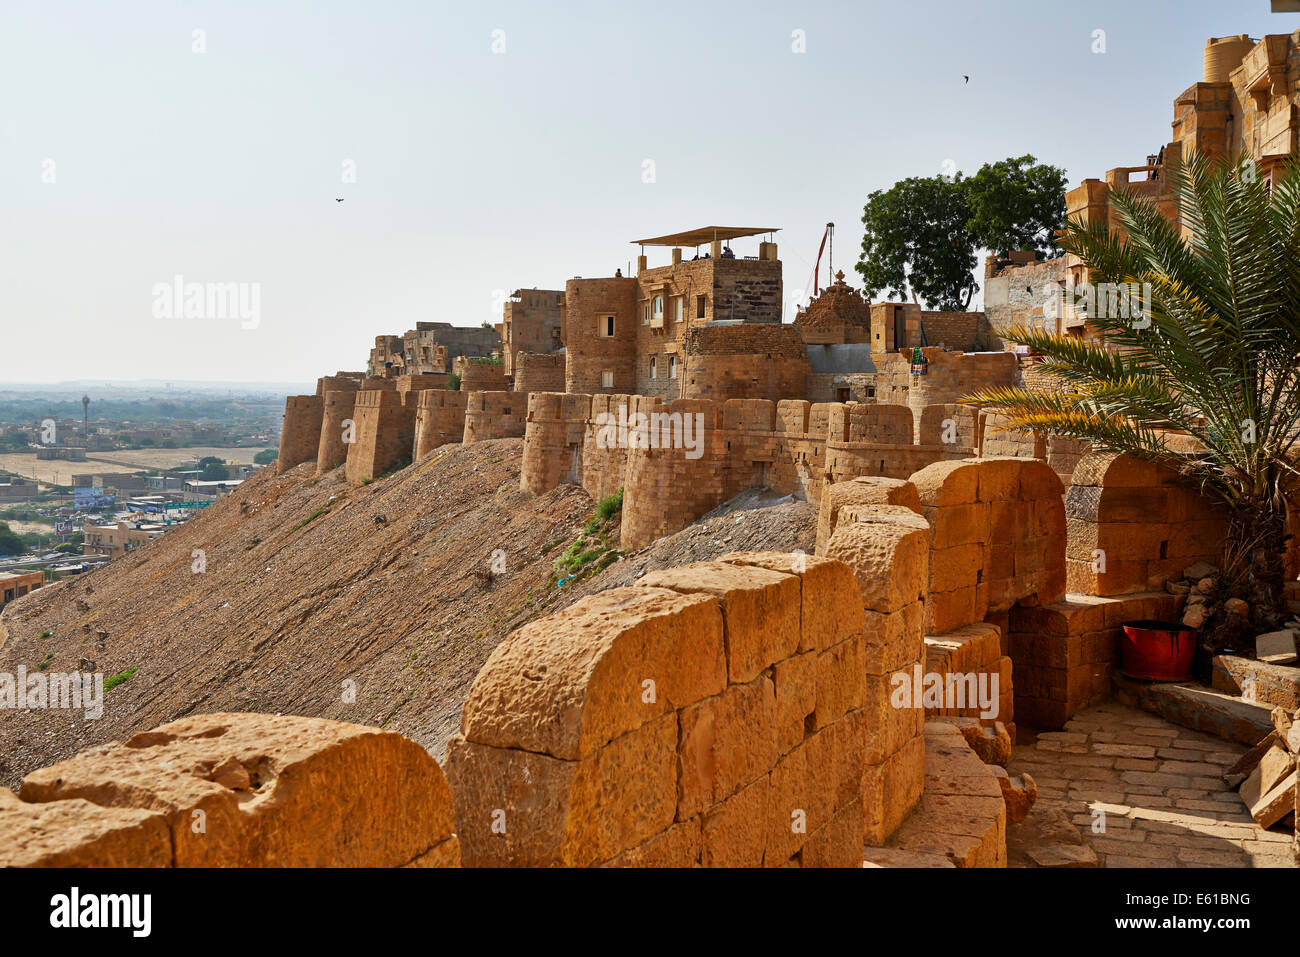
128,158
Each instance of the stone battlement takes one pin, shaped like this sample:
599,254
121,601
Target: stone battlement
677,460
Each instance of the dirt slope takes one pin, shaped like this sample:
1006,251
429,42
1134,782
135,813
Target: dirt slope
753,521
389,586
310,583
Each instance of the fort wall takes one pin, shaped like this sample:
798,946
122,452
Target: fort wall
439,419
336,426
539,372
712,715
553,440
384,433
494,415
300,433
480,376
749,361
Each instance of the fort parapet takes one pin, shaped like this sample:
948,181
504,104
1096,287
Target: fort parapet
494,415
439,419
300,434
384,432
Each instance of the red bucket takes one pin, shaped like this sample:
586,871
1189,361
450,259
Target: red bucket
1157,650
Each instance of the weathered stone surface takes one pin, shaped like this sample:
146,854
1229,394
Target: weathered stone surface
889,558
679,846
761,610
734,833
569,684
891,789
829,609
77,833
519,808
860,491
838,843
319,793
727,742
1018,792
992,744
897,857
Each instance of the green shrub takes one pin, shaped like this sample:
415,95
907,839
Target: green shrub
118,678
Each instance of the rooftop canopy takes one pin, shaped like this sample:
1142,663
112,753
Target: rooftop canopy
705,234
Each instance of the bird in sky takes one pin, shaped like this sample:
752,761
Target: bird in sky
965,77
337,200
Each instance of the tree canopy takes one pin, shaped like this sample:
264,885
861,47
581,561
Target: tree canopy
921,235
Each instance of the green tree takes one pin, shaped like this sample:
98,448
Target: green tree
266,456
1214,358
211,469
1017,204
916,237
921,236
10,542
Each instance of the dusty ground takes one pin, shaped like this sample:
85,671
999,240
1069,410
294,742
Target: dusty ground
310,584
60,472
1124,788
757,520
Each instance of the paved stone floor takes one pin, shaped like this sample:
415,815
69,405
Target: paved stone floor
1123,788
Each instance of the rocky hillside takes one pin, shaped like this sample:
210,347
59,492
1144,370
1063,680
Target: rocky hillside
310,588
308,584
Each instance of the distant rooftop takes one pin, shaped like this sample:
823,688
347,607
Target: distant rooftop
705,234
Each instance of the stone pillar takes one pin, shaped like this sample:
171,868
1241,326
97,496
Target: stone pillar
888,549
333,451
300,434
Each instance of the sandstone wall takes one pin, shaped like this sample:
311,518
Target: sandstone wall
553,440
589,354
421,381
539,372
331,449
342,382
494,415
1064,653
998,530
439,419
603,468
949,377
1131,526
481,376
236,790
712,715
300,434
384,432
888,550
751,361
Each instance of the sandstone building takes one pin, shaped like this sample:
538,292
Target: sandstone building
1245,105
430,347
531,322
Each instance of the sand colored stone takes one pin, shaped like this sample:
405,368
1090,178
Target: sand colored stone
313,792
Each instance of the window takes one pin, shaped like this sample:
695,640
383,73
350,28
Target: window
658,310
679,308
605,326
607,380
699,306
672,367
654,367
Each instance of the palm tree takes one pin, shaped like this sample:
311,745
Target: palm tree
1214,357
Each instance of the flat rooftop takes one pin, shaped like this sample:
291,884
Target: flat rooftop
705,234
